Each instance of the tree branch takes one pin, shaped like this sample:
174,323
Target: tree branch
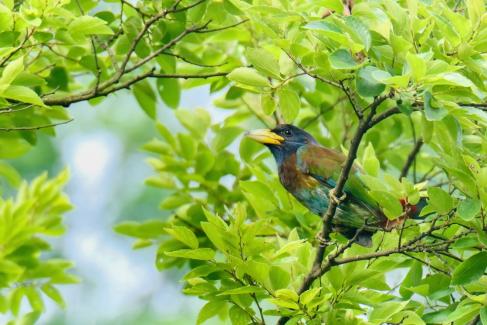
411,158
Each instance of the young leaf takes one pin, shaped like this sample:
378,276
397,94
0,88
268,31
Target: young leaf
289,247
417,66
287,294
243,290
308,295
268,104
249,77
290,104
146,97
200,271
89,25
238,316
483,315
184,235
11,71
208,311
22,94
371,164
264,61
196,254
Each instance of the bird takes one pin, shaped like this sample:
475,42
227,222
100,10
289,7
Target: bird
309,172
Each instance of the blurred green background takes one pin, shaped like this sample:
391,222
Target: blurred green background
101,147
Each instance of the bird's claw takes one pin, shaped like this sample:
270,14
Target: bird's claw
324,242
336,199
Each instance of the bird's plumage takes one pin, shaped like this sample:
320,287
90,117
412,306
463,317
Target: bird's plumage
309,171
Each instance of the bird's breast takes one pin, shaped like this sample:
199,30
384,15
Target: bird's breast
292,178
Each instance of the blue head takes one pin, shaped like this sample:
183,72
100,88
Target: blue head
283,140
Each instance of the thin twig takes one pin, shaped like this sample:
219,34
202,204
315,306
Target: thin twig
193,63
222,28
23,128
411,158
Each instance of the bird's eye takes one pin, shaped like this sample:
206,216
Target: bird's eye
288,133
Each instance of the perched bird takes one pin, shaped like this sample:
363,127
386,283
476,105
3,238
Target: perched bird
310,171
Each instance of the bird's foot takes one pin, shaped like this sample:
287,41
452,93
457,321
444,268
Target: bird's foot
324,242
335,199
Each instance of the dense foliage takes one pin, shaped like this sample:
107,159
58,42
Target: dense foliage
373,79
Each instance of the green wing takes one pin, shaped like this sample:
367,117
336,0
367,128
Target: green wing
325,165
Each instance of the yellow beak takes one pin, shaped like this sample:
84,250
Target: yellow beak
265,137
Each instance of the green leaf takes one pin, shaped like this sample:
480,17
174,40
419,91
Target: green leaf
417,66
286,65
335,5
10,173
195,254
470,270
413,279
370,163
393,209
200,271
476,9
427,129
184,235
268,104
35,299
287,294
440,200
392,181
279,277
224,137
289,247
433,113
170,91
359,27
308,295
366,85
89,25
342,59
11,71
29,318
188,146
404,105
386,310
176,200
249,77
284,303
460,312
483,315
468,209
264,61
208,311
146,97
238,316
290,104
257,270
22,94
373,183
398,16
243,290
259,189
